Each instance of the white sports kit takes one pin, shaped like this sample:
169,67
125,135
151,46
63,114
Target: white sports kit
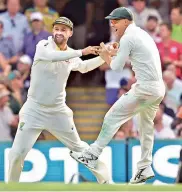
142,100
45,108
144,97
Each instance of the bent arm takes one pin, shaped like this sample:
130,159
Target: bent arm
43,52
118,62
88,65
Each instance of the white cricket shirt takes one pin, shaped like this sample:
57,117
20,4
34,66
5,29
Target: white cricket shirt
143,54
50,72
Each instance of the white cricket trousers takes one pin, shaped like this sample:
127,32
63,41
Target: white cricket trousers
143,99
61,125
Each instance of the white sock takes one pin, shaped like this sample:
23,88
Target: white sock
95,149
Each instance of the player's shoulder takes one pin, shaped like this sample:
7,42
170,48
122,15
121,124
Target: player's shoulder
126,37
43,43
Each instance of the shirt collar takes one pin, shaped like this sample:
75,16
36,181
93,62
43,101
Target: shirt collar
130,27
50,39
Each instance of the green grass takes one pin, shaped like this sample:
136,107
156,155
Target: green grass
85,187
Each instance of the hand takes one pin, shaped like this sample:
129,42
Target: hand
113,48
114,45
91,50
104,53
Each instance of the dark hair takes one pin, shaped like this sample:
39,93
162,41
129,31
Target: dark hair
168,25
152,17
179,8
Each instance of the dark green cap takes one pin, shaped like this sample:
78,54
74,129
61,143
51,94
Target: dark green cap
120,13
64,21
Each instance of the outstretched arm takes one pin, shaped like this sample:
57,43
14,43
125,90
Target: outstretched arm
43,52
88,65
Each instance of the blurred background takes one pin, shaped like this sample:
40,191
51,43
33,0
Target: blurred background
23,23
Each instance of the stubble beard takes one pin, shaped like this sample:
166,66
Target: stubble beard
59,42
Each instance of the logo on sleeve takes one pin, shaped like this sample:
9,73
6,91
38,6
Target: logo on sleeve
46,44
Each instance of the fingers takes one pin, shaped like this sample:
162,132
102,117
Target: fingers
97,50
94,51
96,47
113,52
102,45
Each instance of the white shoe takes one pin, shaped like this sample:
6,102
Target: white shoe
142,175
86,158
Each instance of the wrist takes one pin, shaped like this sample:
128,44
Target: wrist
80,53
108,61
83,51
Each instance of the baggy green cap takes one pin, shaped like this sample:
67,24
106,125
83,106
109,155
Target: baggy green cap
64,21
120,13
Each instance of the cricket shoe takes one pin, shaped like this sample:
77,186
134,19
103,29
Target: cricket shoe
86,158
142,175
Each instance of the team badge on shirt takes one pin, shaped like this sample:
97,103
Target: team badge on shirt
21,125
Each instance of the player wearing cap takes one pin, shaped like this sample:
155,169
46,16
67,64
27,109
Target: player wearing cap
143,99
45,108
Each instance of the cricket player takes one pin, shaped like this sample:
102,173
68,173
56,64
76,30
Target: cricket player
45,108
142,100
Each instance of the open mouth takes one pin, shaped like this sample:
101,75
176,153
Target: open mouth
60,37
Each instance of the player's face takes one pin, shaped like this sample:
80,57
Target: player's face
61,33
119,26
